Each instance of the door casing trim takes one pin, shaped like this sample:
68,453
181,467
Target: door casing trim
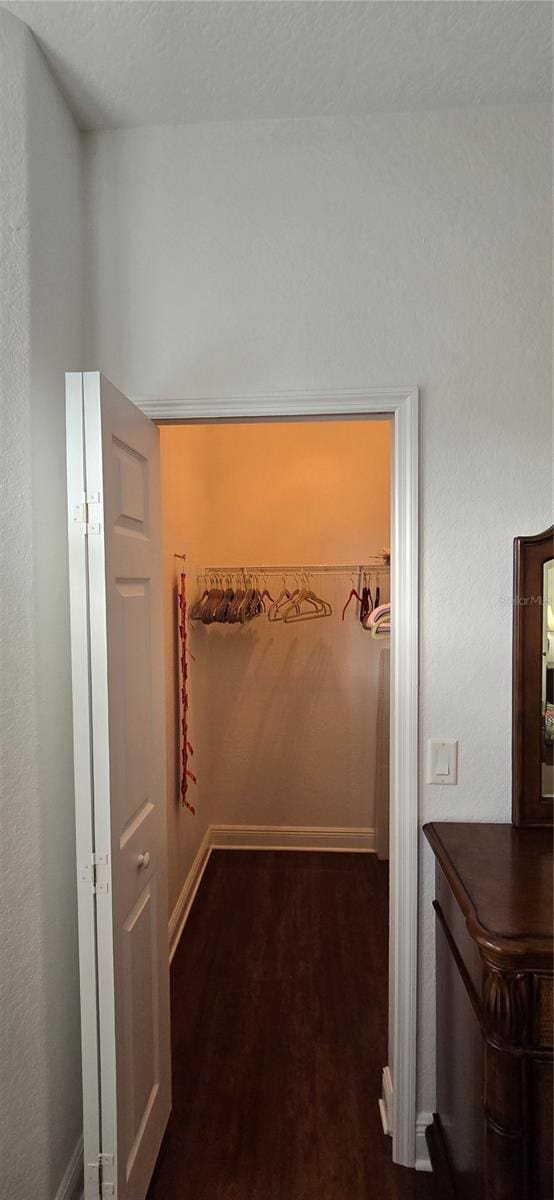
402,403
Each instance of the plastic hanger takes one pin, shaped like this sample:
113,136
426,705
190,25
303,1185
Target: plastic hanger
196,610
225,604
367,599
318,607
378,623
273,614
277,608
233,611
353,593
295,611
265,593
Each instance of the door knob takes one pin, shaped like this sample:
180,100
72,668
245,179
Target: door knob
144,859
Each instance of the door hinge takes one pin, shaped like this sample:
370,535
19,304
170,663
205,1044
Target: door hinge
96,1173
87,514
107,1185
96,873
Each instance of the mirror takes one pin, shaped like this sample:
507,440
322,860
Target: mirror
547,689
533,681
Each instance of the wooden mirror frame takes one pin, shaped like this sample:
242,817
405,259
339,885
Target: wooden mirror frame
528,805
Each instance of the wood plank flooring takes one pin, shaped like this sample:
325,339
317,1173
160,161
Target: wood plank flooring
279,1014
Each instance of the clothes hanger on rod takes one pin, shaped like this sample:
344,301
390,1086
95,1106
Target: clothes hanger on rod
378,623
233,595
277,608
222,608
353,594
230,598
296,609
364,600
367,598
266,593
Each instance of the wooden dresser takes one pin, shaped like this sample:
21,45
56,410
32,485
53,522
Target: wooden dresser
493,1130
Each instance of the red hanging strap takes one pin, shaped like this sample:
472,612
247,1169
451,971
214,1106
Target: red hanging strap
186,748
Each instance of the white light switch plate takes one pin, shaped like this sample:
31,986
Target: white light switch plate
442,761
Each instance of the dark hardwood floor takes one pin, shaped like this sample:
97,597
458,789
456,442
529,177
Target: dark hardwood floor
279,1003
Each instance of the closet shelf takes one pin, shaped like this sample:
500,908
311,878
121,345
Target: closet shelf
379,563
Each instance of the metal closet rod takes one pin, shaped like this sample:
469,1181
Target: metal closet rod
380,564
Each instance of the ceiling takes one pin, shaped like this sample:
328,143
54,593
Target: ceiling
137,63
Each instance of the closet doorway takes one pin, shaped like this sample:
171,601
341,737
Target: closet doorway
398,1099
134,487
276,540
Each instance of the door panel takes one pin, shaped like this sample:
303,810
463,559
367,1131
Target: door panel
128,769
130,489
140,1017
132,708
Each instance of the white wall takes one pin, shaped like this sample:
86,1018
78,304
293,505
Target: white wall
393,249
40,1081
283,717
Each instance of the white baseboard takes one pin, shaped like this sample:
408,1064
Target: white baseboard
385,1102
422,1162
423,1119
291,837
188,892
71,1186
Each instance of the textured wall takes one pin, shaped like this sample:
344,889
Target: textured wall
40,1085
266,696
231,62
411,248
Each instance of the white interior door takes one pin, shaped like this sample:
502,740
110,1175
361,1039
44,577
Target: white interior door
119,740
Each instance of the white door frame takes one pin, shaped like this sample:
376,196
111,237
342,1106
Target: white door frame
400,1080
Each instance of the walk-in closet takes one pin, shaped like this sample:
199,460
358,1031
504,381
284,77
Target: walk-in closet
286,708
277,563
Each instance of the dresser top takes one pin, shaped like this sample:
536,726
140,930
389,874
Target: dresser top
502,879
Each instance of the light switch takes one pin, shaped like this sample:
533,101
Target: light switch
442,763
